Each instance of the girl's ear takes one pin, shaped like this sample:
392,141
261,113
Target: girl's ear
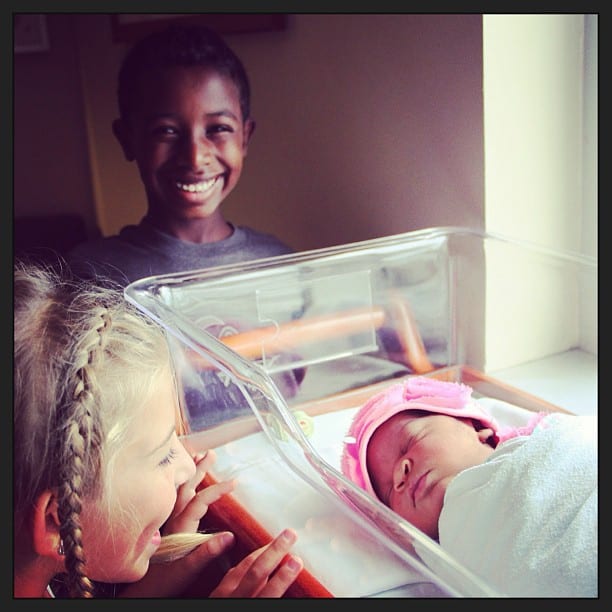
47,540
121,132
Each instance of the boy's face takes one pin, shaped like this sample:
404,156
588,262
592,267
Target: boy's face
187,135
412,459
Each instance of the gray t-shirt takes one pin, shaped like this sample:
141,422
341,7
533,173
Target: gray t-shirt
142,250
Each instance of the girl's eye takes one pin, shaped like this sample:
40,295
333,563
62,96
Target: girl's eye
167,460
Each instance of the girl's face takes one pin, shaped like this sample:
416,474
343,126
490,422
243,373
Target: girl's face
412,459
189,140
121,535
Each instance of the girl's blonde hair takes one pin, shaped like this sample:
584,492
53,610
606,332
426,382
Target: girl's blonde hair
177,545
84,359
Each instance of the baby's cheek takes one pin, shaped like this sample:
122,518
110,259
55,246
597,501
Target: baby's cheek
401,506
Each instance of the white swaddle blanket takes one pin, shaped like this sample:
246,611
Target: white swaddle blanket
526,519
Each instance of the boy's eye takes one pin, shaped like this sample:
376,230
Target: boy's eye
218,128
164,130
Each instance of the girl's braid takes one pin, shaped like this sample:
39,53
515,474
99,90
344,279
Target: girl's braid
82,448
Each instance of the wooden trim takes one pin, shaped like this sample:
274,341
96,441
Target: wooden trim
492,387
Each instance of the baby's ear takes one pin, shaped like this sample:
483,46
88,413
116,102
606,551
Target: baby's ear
122,134
485,435
46,526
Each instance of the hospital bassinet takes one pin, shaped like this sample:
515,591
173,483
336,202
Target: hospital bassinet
285,349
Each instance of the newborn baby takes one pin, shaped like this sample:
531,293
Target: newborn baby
517,506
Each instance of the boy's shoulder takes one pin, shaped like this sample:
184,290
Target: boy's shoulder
259,244
104,244
123,256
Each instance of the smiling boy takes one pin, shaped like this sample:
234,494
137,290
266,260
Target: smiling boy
184,106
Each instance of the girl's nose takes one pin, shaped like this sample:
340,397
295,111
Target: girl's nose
186,467
400,474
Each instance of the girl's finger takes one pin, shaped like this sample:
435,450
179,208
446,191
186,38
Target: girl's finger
214,492
283,578
252,575
189,517
203,461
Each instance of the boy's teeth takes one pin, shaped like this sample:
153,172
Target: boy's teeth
195,187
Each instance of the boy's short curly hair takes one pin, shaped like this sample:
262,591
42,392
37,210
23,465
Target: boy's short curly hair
180,45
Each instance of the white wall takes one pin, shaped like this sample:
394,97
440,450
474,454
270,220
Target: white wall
539,81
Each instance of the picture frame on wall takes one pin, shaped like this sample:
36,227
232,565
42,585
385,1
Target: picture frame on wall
30,33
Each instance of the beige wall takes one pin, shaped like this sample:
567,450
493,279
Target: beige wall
51,166
367,125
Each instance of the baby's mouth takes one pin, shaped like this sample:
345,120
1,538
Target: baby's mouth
196,186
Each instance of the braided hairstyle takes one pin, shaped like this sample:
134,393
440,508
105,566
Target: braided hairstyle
84,358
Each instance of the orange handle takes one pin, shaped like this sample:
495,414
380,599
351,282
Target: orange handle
290,336
295,333
287,336
409,336
227,514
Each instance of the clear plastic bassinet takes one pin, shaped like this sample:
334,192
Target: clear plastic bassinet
272,356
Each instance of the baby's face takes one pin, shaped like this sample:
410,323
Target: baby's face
413,457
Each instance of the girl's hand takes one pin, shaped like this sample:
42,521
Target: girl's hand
171,579
192,503
267,572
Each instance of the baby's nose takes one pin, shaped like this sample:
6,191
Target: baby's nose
400,476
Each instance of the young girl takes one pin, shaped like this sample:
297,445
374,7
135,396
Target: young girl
517,506
99,472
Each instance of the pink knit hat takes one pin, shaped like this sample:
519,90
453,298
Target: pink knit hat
417,393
